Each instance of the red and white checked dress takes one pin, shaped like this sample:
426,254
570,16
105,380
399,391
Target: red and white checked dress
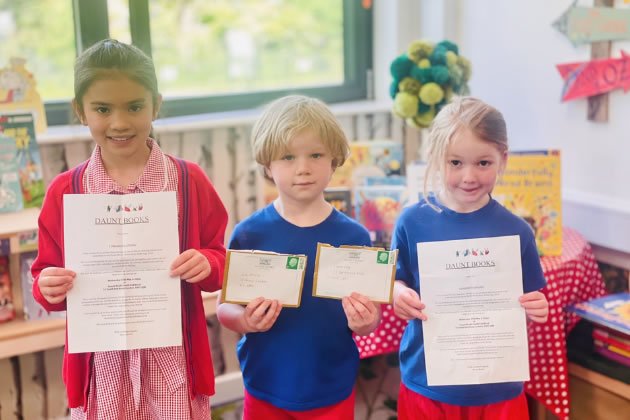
145,384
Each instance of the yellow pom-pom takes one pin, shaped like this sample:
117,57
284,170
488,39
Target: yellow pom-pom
431,93
466,67
448,93
424,63
410,85
424,120
405,104
451,58
419,50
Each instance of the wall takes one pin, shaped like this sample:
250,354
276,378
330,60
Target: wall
514,50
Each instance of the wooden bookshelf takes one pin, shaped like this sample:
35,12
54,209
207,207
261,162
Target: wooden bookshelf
604,382
19,337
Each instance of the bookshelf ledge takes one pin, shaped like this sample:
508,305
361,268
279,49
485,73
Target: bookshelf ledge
601,381
19,337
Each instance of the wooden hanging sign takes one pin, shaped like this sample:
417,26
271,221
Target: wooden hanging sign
589,78
583,25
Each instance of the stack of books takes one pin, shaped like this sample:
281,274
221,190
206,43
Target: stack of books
610,316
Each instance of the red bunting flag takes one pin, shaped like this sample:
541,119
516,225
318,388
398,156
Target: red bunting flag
590,78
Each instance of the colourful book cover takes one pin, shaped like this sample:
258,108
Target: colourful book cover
21,127
385,180
7,310
370,158
377,207
32,309
10,188
340,198
612,311
530,188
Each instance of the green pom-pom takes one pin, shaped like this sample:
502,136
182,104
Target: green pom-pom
409,85
393,89
422,107
405,104
419,50
424,75
431,93
466,67
424,63
440,75
449,46
401,66
438,57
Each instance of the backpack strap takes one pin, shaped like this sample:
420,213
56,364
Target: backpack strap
184,181
77,176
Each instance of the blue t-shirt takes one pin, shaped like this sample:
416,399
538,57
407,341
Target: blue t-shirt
421,223
308,359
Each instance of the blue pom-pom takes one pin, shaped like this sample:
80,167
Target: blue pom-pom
401,67
422,107
424,75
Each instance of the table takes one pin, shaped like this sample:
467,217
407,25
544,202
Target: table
572,277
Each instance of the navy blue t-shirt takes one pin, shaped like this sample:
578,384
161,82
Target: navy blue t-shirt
421,223
308,359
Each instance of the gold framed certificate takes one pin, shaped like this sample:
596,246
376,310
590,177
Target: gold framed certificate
366,270
250,274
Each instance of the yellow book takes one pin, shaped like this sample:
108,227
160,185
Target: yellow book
530,188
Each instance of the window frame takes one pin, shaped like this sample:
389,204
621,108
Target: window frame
91,25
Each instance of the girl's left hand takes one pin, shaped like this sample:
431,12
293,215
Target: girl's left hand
191,265
535,305
363,314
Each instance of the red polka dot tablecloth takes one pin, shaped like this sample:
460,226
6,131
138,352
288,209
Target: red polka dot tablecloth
572,277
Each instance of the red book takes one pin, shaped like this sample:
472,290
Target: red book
614,356
612,339
7,310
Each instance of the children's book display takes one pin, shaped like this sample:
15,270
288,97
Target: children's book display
530,188
18,93
370,158
32,309
7,309
377,207
611,318
340,198
21,178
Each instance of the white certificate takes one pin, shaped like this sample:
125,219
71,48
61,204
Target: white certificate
121,247
476,330
251,274
341,271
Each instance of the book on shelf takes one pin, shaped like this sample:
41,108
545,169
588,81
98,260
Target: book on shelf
385,180
340,198
369,158
530,188
7,308
612,353
377,207
415,181
32,309
612,311
21,128
613,338
10,187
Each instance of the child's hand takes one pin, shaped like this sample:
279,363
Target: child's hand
363,314
191,265
407,303
54,283
260,315
535,305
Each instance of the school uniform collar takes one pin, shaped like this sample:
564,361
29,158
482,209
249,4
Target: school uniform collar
99,181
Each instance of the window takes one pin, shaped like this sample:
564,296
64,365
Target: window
210,56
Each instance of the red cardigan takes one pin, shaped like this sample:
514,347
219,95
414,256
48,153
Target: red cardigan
202,221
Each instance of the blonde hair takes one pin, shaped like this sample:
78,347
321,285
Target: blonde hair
289,116
485,121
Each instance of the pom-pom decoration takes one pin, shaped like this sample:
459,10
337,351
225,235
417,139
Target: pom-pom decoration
425,77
